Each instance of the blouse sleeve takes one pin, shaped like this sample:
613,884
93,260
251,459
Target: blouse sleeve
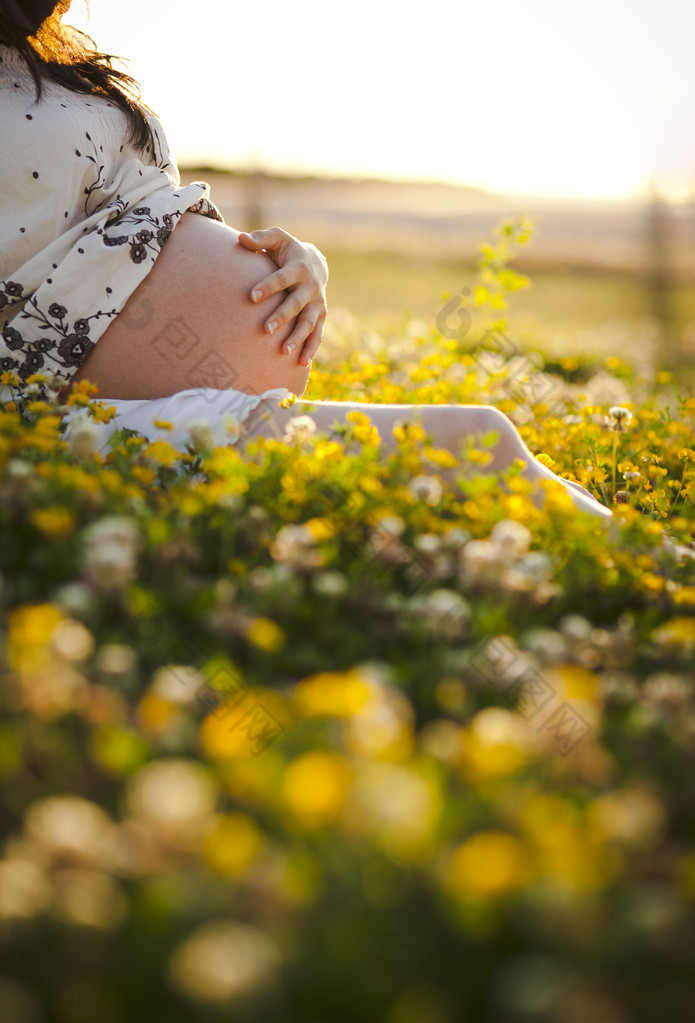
90,215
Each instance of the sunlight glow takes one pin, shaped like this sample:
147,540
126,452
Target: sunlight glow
589,100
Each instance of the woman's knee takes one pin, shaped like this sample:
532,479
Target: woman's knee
501,424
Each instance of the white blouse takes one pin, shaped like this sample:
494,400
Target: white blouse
83,217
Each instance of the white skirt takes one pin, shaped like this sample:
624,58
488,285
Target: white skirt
198,414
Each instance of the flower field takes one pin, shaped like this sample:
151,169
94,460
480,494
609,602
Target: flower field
306,735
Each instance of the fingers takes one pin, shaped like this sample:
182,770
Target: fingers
307,331
271,238
311,345
280,280
297,302
302,272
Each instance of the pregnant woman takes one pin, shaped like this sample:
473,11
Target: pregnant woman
112,271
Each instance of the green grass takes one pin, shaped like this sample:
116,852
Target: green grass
559,304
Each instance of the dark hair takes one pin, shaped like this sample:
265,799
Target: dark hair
70,58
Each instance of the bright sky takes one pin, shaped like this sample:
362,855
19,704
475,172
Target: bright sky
541,97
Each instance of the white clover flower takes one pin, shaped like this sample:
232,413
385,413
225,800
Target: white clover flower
232,427
549,645
481,562
299,428
631,475
76,598
510,537
448,612
393,525
110,566
331,583
201,433
619,412
666,691
295,545
110,552
428,543
222,961
576,627
18,470
620,417
113,529
528,572
177,683
537,565
172,794
83,434
456,537
70,826
426,488
25,889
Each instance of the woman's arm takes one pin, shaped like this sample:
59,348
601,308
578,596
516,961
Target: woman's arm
303,271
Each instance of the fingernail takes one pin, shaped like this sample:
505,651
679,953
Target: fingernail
272,326
256,294
290,348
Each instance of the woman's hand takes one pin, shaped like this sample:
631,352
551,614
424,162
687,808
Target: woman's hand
304,272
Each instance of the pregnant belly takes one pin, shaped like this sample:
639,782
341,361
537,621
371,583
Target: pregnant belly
192,324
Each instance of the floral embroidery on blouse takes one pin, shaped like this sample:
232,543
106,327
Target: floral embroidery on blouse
84,217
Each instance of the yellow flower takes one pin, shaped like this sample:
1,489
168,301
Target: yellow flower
143,474
358,418
441,457
409,433
565,845
162,453
163,424
330,694
232,844
329,451
495,744
589,473
577,683
676,632
102,413
652,582
479,457
486,866
155,713
53,521
82,392
244,723
320,529
30,629
266,634
314,787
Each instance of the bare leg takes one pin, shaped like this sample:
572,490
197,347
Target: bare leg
448,425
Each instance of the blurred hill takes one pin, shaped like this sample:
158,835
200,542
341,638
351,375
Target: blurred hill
448,221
